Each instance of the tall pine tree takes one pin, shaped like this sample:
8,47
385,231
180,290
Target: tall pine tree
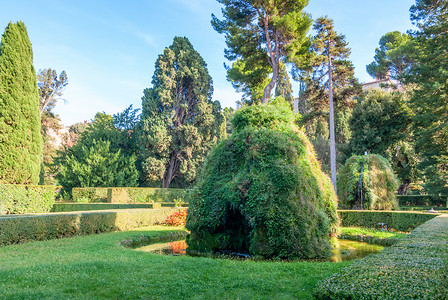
20,128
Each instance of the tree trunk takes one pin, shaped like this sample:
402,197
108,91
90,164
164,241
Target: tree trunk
332,134
404,187
170,172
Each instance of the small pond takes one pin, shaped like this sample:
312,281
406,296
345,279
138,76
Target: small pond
348,250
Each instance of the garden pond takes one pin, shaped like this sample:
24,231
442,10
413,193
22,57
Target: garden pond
348,250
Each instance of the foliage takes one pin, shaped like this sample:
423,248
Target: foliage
178,218
414,268
103,157
50,88
379,183
25,199
179,122
20,229
283,87
74,132
262,191
392,58
90,262
429,100
260,35
424,200
20,135
128,194
395,220
228,114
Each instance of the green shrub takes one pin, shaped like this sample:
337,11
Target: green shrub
128,194
421,200
414,268
22,199
262,191
19,229
379,183
66,207
398,220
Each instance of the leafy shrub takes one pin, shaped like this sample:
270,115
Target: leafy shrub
379,183
414,268
93,194
421,200
262,191
398,220
19,229
22,199
178,218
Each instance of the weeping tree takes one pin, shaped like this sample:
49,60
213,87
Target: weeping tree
179,122
260,35
262,191
20,128
367,182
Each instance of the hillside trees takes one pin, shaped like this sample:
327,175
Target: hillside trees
20,128
260,35
179,122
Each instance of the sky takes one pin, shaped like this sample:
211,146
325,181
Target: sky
108,47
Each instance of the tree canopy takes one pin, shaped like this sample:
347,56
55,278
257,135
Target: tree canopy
259,36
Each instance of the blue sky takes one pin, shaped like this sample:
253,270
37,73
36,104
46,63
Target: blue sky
108,48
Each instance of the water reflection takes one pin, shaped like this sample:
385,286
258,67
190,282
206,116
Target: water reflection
348,250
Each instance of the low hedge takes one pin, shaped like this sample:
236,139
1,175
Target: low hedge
22,199
67,207
128,195
24,228
398,220
421,200
415,268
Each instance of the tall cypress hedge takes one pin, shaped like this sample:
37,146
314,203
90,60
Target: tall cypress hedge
20,136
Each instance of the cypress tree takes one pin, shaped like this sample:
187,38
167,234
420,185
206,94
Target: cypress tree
20,136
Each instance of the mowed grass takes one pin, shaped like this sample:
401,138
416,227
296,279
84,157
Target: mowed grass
381,234
97,266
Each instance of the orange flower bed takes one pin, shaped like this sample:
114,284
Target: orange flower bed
177,219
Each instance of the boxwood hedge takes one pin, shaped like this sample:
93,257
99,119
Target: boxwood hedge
21,199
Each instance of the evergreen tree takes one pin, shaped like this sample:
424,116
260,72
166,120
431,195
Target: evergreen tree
329,77
283,87
179,122
430,98
20,128
260,35
392,58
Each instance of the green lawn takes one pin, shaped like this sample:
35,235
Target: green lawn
97,266
380,234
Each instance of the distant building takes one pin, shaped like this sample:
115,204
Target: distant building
386,84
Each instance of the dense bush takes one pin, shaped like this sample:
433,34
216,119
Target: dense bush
65,207
379,183
178,218
398,220
128,195
421,200
19,229
22,199
415,268
262,191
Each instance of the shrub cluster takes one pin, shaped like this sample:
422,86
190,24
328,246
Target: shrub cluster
178,218
415,268
22,199
19,229
379,183
127,194
262,191
398,220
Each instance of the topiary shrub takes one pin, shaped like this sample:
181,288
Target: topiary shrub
262,191
379,184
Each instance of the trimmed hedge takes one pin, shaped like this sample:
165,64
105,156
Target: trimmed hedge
415,268
19,229
421,200
127,195
21,199
67,207
398,220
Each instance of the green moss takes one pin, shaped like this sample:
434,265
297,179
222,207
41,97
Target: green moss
379,184
262,191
